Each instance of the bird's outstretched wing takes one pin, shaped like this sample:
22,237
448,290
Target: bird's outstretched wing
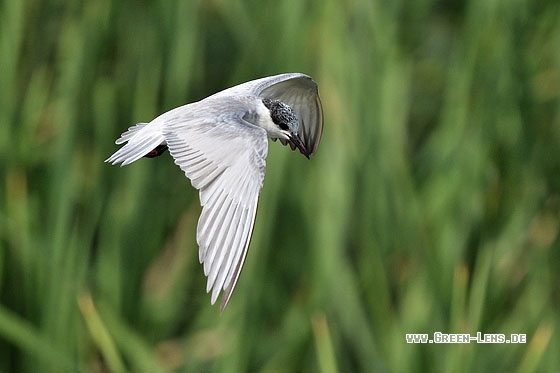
224,157
298,91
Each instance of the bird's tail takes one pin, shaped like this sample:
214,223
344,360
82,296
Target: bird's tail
140,139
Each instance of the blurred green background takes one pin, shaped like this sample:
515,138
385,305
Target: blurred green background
432,205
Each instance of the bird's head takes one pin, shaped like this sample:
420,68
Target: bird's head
287,122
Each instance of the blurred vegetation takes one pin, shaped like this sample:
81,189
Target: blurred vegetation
432,205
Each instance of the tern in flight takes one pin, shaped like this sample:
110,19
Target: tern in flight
221,145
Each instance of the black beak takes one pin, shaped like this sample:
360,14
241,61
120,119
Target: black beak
296,140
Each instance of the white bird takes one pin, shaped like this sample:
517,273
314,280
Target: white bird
221,144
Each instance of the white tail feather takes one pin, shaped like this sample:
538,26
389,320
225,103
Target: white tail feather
125,136
141,139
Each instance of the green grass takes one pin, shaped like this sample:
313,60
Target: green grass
432,205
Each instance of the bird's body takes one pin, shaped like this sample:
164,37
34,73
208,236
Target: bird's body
221,144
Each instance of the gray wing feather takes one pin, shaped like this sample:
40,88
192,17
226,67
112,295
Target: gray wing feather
224,158
298,91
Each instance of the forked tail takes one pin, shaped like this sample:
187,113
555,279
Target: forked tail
140,140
